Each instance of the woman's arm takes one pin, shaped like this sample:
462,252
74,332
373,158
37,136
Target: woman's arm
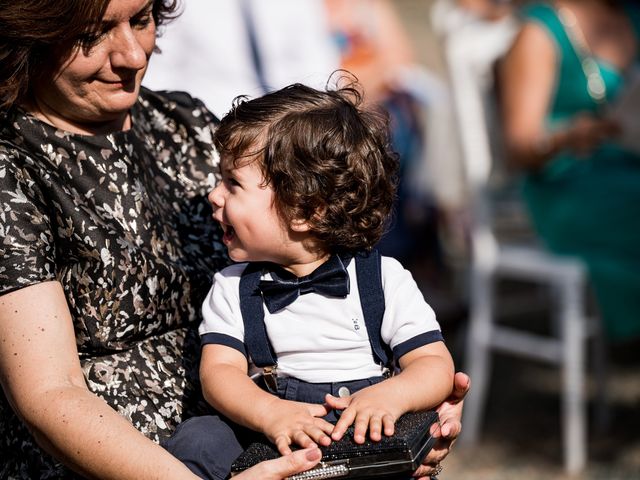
228,388
527,78
42,379
424,382
526,81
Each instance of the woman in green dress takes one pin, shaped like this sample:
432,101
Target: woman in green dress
569,63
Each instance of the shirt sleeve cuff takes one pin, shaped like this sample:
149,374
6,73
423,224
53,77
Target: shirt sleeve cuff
417,342
222,339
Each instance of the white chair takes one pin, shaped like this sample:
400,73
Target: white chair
471,50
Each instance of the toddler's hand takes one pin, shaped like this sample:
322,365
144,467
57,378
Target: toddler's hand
296,422
367,409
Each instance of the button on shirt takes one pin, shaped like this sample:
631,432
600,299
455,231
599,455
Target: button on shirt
324,339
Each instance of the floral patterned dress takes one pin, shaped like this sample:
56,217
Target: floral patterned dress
122,221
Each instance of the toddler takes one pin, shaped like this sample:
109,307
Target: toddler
308,184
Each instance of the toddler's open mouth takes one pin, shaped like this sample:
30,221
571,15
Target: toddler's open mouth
229,233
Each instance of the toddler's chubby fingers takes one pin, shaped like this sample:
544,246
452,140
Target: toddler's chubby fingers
303,439
318,410
337,403
360,427
323,425
346,419
320,435
379,425
283,444
375,428
388,425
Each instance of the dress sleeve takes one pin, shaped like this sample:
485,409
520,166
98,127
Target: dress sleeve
27,247
408,322
221,317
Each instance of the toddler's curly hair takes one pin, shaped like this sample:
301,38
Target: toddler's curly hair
327,158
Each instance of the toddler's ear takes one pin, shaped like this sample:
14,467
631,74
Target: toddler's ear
299,225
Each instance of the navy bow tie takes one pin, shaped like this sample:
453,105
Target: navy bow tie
330,279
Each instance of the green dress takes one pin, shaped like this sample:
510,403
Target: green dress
590,207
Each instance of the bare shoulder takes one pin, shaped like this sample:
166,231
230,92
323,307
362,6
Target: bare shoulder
533,41
532,57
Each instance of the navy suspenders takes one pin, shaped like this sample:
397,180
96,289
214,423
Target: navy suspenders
255,333
259,349
369,275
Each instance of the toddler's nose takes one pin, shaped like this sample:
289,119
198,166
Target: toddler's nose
216,196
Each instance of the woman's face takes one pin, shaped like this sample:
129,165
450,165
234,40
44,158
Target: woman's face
99,84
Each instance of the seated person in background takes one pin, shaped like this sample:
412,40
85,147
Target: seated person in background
582,188
376,47
308,182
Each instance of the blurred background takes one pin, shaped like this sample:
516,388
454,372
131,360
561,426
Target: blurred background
554,395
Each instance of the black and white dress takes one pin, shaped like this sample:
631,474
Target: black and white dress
122,221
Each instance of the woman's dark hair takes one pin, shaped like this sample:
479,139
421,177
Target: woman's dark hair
32,31
326,157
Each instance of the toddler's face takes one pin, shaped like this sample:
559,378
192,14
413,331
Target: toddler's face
244,206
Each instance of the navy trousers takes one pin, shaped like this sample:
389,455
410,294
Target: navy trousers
207,445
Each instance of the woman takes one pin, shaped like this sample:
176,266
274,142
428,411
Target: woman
567,65
107,248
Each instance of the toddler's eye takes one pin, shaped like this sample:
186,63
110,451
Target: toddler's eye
232,182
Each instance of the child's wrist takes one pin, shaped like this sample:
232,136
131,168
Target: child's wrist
264,414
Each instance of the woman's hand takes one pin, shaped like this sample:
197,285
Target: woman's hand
296,422
283,467
450,413
587,132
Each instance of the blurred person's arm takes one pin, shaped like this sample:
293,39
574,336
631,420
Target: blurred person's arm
487,9
527,79
41,376
393,37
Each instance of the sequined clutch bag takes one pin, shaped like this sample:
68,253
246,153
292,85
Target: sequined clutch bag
389,458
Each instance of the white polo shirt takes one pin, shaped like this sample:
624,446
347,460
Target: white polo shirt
324,339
